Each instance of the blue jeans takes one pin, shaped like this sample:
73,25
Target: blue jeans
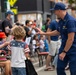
18,71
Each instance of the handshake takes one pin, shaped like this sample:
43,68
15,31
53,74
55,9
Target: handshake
39,31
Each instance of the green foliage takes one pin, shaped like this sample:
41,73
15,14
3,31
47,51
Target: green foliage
72,1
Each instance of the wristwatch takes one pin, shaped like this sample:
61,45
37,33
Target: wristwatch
64,51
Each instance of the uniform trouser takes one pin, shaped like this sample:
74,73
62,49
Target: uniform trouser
62,64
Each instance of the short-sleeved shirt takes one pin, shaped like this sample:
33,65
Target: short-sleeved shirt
6,23
53,26
27,30
34,44
18,50
42,44
66,26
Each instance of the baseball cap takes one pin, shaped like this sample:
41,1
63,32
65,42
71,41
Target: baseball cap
2,35
10,12
59,6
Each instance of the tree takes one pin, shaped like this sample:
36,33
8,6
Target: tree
71,1
72,4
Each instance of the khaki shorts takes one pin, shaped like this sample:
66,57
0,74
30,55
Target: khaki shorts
54,47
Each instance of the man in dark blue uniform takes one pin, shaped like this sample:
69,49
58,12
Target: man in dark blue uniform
67,30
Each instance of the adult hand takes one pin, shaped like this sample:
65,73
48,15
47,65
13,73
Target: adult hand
33,27
7,29
39,31
62,56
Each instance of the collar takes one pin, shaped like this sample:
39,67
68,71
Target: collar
65,18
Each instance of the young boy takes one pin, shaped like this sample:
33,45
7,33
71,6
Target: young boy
19,51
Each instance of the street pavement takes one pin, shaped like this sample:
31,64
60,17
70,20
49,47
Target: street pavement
40,70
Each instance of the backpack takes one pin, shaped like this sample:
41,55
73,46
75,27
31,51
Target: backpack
30,70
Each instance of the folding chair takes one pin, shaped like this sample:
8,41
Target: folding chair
40,56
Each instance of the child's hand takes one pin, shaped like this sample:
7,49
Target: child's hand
4,44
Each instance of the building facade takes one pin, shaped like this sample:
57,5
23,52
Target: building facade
33,10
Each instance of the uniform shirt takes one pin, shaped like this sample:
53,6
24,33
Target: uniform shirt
66,26
18,50
53,26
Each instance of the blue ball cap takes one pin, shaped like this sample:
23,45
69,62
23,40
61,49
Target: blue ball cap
59,6
10,12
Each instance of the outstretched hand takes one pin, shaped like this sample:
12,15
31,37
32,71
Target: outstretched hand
39,31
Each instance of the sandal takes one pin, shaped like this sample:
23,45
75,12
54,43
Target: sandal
67,68
48,69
